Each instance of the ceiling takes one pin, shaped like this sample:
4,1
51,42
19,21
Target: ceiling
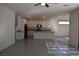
27,9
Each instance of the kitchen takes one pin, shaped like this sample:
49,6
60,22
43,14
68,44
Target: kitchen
44,27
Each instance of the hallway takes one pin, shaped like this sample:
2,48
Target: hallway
37,47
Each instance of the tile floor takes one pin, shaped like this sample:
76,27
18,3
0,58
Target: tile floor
60,48
37,47
28,47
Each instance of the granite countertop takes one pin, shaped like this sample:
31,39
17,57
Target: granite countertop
41,30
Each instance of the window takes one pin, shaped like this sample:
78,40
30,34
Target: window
63,22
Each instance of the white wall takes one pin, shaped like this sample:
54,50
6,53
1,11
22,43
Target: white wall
63,30
7,27
73,30
60,29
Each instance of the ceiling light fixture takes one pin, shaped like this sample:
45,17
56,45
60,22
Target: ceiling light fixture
43,4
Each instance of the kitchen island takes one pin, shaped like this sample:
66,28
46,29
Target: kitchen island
43,34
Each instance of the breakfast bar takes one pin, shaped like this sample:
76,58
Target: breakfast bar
43,34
